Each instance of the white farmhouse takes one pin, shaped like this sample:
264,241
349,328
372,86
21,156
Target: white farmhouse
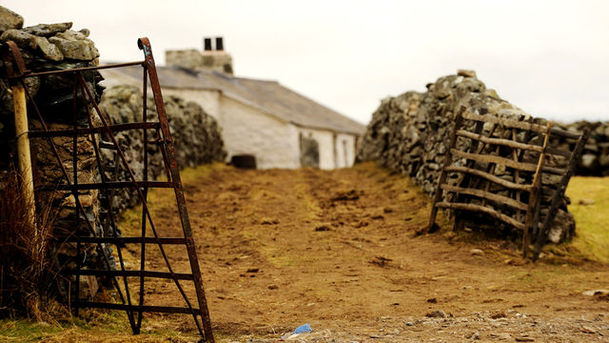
262,119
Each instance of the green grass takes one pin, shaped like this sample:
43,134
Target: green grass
590,206
25,331
92,326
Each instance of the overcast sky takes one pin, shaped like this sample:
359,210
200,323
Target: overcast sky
551,58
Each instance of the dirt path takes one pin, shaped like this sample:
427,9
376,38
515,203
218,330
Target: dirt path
335,249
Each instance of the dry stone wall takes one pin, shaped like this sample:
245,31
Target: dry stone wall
43,47
410,132
196,135
56,47
595,158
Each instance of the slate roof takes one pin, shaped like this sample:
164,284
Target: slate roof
268,96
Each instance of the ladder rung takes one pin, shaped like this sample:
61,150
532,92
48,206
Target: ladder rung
128,240
94,130
129,273
563,133
115,184
137,308
555,171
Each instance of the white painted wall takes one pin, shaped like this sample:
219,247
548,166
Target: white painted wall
324,138
334,153
208,99
113,77
247,130
345,148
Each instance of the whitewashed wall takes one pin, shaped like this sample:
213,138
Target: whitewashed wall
247,130
336,150
345,148
113,77
325,140
208,99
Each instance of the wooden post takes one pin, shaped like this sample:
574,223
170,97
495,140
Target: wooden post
447,161
23,152
535,195
542,232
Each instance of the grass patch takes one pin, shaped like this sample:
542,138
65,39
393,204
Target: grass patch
92,326
590,206
26,331
192,174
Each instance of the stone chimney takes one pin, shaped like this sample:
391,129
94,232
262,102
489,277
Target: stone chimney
209,58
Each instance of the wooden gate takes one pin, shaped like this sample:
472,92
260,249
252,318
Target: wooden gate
494,169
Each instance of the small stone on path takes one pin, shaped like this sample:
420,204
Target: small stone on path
436,314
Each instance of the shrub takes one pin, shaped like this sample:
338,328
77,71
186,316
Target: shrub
28,280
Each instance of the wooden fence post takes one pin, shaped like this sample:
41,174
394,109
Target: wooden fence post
23,152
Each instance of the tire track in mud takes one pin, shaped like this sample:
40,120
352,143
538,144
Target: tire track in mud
279,248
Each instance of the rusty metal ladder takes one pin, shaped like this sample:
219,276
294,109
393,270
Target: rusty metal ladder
134,309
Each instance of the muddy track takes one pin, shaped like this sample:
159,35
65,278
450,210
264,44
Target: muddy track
336,249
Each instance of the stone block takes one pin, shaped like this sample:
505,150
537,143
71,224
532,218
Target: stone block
48,50
23,39
83,50
9,19
47,30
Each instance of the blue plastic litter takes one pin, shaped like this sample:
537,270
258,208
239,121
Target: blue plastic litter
302,329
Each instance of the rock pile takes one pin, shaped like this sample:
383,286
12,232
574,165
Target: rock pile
43,47
196,135
595,158
53,47
409,133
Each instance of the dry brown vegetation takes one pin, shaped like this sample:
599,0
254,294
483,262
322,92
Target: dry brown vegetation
27,278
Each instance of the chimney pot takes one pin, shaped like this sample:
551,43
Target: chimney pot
219,44
207,44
